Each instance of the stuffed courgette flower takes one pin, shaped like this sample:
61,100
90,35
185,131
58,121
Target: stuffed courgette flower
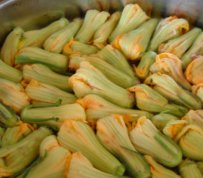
14,158
89,80
13,95
31,55
80,167
52,115
188,136
190,140
134,43
194,71
36,38
115,58
52,156
92,22
159,171
168,87
167,29
131,17
168,63
147,139
195,50
102,34
14,134
97,107
11,45
150,100
57,40
113,134
117,76
44,74
10,73
114,74
178,46
189,169
43,93
78,136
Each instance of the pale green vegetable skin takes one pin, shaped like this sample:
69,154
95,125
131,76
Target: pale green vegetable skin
97,107
15,158
15,134
113,134
89,80
80,166
189,169
78,136
53,156
8,118
41,92
148,140
53,115
44,74
10,73
31,55
10,46
57,40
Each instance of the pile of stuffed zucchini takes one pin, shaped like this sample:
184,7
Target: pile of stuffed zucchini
108,96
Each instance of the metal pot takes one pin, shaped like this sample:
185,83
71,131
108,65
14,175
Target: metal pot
31,14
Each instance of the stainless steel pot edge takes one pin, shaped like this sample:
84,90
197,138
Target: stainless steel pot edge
31,14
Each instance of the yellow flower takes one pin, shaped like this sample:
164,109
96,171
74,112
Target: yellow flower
134,43
167,29
194,71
